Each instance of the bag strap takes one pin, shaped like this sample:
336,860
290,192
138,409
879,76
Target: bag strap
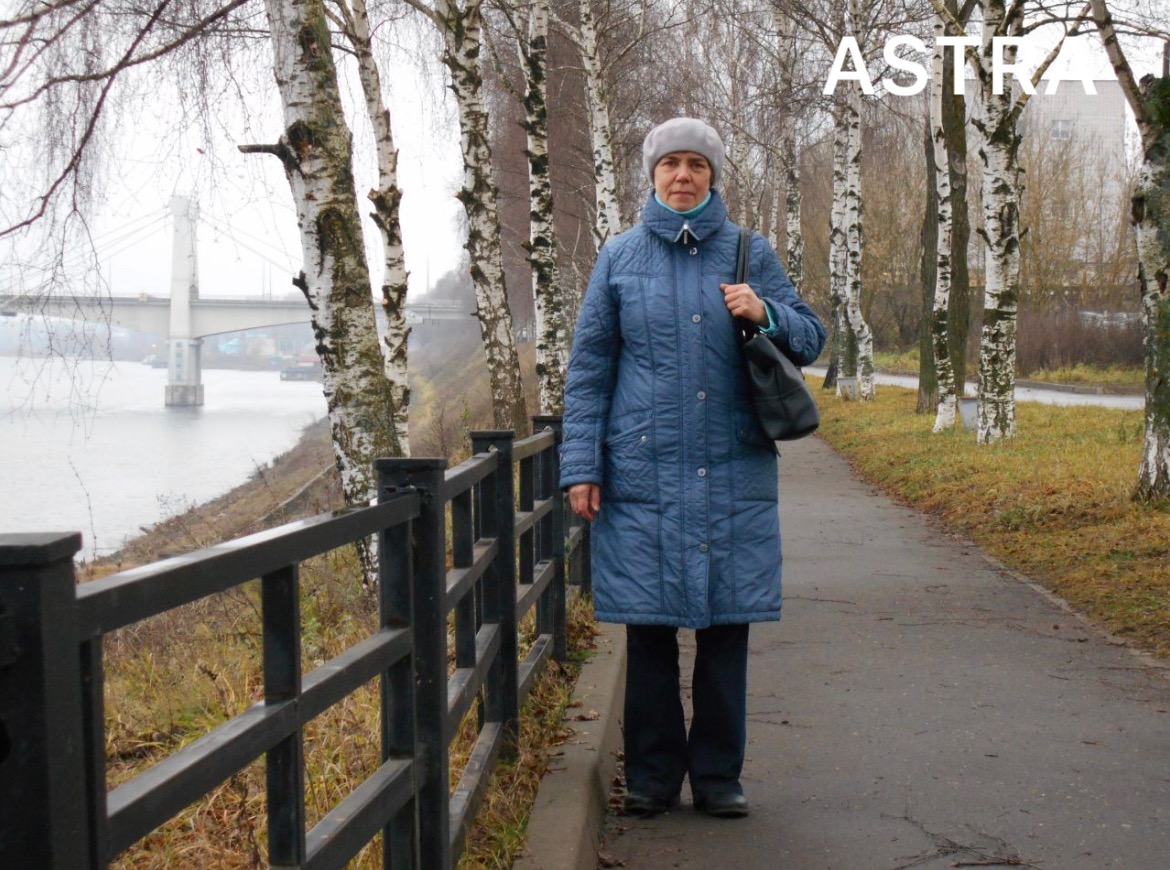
744,328
743,262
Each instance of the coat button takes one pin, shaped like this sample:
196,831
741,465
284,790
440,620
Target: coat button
694,251
703,548
702,472
696,318
701,395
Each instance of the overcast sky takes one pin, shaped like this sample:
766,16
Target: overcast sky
247,236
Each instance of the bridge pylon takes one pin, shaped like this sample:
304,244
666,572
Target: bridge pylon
184,351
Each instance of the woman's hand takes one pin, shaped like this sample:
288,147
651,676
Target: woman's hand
585,500
742,301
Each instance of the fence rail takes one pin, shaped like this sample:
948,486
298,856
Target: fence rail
511,552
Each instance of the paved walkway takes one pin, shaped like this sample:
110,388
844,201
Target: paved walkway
920,707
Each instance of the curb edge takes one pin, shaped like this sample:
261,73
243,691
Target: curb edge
564,827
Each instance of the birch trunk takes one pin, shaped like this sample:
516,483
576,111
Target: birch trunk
386,198
837,251
776,185
608,220
1150,212
789,60
999,151
1151,216
462,31
955,129
944,372
552,335
794,236
316,151
854,249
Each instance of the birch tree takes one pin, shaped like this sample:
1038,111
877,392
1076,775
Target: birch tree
948,121
832,24
1150,212
586,36
997,123
793,233
461,26
316,152
354,22
838,253
530,29
855,239
940,326
552,340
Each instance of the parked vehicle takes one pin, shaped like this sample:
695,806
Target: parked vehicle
302,370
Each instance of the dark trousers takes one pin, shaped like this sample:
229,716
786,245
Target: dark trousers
658,750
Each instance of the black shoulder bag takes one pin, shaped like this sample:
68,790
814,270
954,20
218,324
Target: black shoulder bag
783,403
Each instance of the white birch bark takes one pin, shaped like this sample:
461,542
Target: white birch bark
794,235
551,331
1151,216
1150,213
462,30
777,187
386,198
996,123
789,61
944,372
855,248
837,247
608,221
316,151
998,151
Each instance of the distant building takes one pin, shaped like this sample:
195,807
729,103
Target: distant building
1095,121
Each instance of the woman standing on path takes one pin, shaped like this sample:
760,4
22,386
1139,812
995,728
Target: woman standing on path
663,454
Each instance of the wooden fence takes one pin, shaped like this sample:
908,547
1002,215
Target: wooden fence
510,545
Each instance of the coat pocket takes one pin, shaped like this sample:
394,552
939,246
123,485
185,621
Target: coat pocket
754,462
630,473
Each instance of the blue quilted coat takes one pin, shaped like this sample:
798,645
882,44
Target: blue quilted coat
657,411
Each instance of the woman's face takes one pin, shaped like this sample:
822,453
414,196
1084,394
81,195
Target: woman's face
682,179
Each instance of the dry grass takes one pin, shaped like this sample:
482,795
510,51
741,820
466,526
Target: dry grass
173,678
1053,503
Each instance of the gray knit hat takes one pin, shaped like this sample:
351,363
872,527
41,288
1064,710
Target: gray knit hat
683,134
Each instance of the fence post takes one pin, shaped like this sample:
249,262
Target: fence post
499,521
399,728
44,799
430,647
550,488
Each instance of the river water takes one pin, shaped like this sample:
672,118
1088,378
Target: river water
89,446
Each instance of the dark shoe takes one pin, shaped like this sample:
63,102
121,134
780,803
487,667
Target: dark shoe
729,805
638,804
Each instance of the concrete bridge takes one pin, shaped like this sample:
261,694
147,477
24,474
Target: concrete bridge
185,318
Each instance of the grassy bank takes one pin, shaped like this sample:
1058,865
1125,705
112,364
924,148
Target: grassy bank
1053,503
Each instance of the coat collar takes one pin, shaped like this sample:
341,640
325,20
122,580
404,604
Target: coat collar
673,227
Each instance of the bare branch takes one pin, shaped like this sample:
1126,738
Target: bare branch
1125,76
1072,32
431,13
87,135
129,58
